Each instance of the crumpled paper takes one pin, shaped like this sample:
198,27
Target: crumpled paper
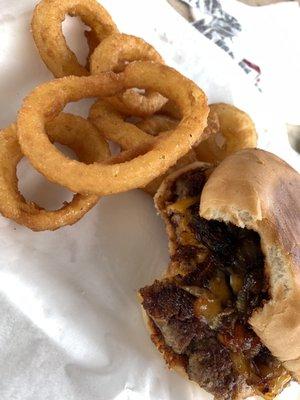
223,29
71,325
263,40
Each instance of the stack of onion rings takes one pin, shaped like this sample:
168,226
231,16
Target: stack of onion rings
67,129
159,118
45,102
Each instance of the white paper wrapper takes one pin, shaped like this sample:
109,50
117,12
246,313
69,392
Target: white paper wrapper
71,326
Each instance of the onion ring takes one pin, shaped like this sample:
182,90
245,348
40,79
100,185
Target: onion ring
48,36
112,54
234,131
92,42
168,118
112,125
67,129
49,99
156,124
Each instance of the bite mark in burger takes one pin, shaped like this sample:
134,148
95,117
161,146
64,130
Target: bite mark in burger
226,313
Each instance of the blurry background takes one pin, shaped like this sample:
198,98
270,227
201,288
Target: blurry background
263,38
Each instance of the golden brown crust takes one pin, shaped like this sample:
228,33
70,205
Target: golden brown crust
255,189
